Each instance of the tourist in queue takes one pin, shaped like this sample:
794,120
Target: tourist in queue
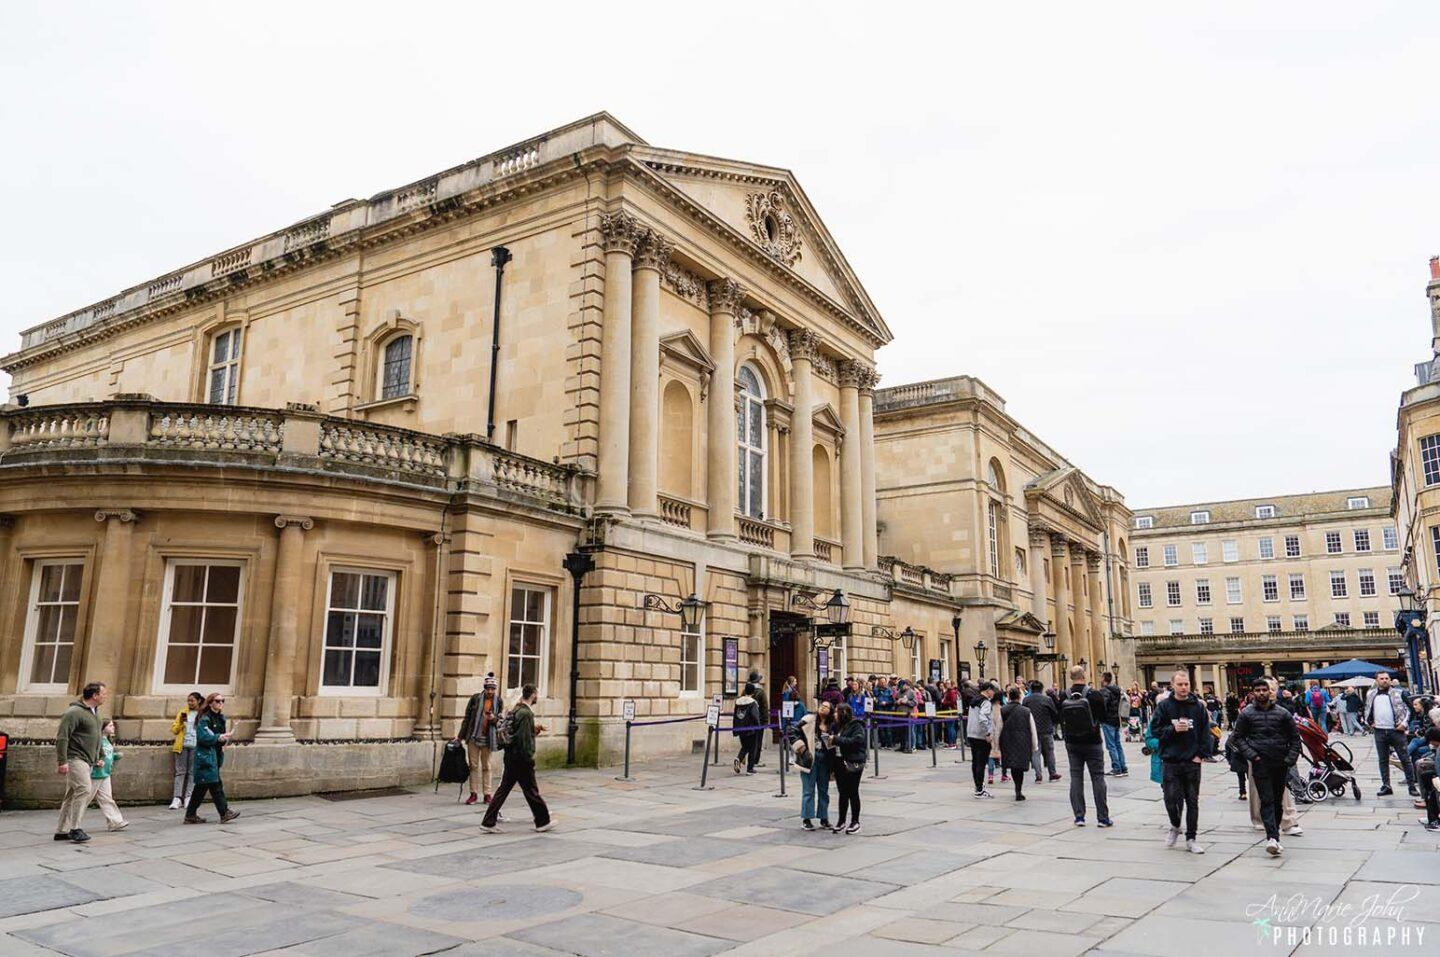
1265,734
757,679
183,727
1082,714
745,725
1386,715
950,701
849,765
211,737
982,734
477,730
77,750
1045,713
519,766
1019,740
100,776
1181,728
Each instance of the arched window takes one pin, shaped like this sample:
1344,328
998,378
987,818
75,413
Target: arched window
395,367
750,431
223,376
995,475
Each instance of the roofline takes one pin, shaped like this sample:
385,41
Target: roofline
1260,499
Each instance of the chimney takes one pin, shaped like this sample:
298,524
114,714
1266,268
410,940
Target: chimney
1434,268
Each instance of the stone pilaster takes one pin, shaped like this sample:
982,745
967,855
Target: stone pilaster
720,483
852,514
804,345
1081,637
1099,647
1040,602
621,235
284,631
1060,572
342,392
867,466
650,261
112,598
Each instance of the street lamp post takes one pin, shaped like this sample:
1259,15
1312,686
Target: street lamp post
955,626
980,650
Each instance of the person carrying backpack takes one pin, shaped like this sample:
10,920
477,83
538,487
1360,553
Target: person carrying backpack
746,715
1082,714
516,735
1317,699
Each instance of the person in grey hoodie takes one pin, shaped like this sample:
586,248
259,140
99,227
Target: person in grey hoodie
982,730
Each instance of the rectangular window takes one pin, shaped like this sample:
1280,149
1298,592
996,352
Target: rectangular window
1297,587
1272,623
946,656
1430,459
1358,501
1201,517
1292,546
1207,626
1143,593
1237,626
1269,588
1172,594
1172,556
1264,511
1338,586
1199,554
1230,550
1367,583
1372,619
992,520
358,616
1396,579
692,659
1342,619
1332,543
224,369
527,655
1144,521
1435,542
199,625
50,626
1202,591
1267,548
1302,622
1389,539
1142,556
1147,627
1177,626
1362,539
1232,591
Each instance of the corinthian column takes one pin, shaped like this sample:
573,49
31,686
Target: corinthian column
1060,571
803,347
620,233
1097,610
284,614
852,514
650,261
720,483
1077,595
112,597
1039,604
867,466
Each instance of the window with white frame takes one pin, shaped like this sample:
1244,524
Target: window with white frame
1396,579
1302,623
1389,538
1272,623
1199,554
1172,556
1207,626
1371,619
1144,521
199,624
50,621
1142,591
692,659
914,663
359,614
1430,459
1332,543
1230,550
1147,627
1338,586
1342,619
1172,594
1200,517
1142,556
529,649
1297,586
1232,591
992,519
1367,583
750,429
223,372
1177,626
1267,548
1237,626
1264,511
1435,542
946,656
1269,588
1202,591
395,367
1358,501
1362,539
1292,546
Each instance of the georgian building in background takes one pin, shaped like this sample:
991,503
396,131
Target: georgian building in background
1278,585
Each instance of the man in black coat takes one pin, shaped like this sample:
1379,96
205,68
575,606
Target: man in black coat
1265,734
1046,713
1182,727
1111,727
1083,748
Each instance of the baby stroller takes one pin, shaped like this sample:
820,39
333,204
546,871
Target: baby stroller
1332,766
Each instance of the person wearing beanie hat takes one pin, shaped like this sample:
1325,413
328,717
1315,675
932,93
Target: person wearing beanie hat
477,730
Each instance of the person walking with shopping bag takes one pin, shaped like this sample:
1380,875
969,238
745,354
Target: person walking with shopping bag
210,740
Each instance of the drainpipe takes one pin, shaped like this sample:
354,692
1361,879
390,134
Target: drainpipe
577,564
499,256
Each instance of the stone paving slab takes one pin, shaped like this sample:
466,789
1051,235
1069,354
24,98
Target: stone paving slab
795,890
29,895
595,935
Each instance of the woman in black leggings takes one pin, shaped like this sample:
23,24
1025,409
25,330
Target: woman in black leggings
980,732
849,766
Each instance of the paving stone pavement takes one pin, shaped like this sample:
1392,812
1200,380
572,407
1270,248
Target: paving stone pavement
654,866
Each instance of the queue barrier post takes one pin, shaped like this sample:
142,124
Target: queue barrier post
784,758
934,755
626,775
705,760
874,741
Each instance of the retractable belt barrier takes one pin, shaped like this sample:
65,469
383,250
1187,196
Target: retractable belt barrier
632,723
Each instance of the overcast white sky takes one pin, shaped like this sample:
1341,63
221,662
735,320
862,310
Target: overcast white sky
1188,246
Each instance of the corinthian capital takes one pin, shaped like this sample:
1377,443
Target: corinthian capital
654,252
868,381
851,374
725,295
620,232
804,344
1057,545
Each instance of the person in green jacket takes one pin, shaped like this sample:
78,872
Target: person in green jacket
210,740
100,779
520,767
77,750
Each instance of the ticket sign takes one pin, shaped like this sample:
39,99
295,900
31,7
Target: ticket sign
929,709
787,710
712,716
869,705
718,701
822,664
628,709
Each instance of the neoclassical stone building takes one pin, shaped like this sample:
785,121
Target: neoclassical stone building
1032,546
342,471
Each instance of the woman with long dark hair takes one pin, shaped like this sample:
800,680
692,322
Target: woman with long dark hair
849,765
210,740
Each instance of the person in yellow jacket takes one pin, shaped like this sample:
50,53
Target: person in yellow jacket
183,727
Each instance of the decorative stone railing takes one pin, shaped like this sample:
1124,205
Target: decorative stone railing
674,512
137,427
1312,643
753,532
825,550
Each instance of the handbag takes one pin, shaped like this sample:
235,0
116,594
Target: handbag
854,767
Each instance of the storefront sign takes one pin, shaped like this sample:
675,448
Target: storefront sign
732,667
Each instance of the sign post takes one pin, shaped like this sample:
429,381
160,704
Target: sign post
712,723
627,711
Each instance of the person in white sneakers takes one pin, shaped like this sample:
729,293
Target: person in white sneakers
517,736
183,727
1265,734
1289,816
1181,725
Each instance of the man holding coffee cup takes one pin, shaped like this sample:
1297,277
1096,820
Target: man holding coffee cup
1182,726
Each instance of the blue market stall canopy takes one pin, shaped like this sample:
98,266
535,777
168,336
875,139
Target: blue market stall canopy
1354,668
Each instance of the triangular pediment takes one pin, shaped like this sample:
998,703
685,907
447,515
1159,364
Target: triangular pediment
686,348
767,208
827,418
1064,490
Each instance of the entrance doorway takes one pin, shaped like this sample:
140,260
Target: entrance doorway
785,637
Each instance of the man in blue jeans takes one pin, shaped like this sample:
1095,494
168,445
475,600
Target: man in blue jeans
1111,726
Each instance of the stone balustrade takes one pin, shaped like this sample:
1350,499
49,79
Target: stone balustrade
753,532
216,427
63,427
1368,640
675,512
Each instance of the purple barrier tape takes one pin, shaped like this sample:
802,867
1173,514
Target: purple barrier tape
643,724
758,727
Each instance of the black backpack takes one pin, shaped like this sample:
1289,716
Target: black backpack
453,766
1076,717
746,716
